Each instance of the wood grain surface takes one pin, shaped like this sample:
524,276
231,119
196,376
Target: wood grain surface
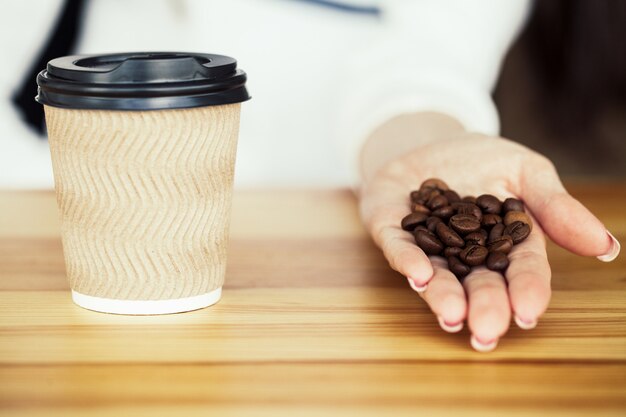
312,322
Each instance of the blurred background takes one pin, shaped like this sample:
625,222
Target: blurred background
561,90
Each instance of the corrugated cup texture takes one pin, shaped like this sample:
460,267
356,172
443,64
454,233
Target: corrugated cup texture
144,198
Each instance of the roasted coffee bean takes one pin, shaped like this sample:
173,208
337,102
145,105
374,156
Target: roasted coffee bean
503,244
436,202
444,212
410,222
512,204
428,242
490,220
420,227
435,191
497,261
431,194
431,223
451,251
496,232
469,208
448,236
474,255
435,183
424,194
475,238
468,231
416,197
489,204
420,208
457,267
517,216
452,196
456,205
518,231
464,223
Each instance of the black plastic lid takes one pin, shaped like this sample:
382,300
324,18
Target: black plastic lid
141,81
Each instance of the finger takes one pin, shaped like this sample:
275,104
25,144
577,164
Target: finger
564,219
529,276
445,297
382,211
489,311
404,256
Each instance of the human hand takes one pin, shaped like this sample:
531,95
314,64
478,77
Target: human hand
474,164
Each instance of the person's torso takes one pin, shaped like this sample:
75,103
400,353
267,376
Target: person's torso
290,50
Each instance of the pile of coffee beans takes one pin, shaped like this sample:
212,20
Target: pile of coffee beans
468,231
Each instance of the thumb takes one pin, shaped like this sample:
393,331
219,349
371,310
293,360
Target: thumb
568,223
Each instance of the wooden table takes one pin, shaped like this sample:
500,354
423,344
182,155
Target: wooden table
312,322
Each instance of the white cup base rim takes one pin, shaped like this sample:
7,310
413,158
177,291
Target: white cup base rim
146,307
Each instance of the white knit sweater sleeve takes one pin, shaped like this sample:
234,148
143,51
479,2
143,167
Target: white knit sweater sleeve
430,55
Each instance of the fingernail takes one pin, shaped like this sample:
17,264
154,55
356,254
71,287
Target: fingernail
613,250
415,287
483,347
450,328
526,325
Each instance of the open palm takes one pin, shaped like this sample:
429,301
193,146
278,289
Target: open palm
473,165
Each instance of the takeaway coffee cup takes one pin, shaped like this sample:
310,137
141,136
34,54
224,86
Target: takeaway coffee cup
143,149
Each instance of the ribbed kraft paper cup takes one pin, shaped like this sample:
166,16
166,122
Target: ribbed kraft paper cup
144,199
145,202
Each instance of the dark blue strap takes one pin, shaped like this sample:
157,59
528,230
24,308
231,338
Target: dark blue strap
60,42
346,7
